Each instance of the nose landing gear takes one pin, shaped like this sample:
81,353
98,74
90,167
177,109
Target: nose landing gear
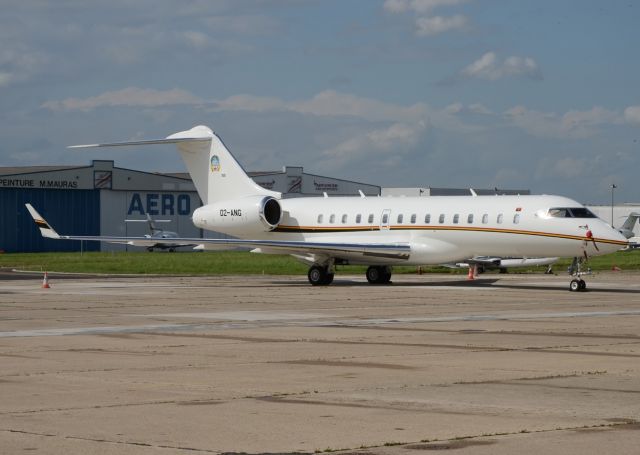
577,284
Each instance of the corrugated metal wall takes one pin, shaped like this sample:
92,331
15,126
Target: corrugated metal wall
74,212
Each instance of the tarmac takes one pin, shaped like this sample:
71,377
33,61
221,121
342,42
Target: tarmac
268,364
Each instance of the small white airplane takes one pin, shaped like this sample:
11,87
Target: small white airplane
375,231
160,234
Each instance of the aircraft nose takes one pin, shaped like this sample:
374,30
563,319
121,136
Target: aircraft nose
610,238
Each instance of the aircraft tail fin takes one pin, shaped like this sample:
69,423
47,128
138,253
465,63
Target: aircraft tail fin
152,225
214,170
45,229
627,227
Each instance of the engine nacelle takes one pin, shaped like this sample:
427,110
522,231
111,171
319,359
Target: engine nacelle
240,216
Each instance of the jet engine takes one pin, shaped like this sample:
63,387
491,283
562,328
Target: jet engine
249,215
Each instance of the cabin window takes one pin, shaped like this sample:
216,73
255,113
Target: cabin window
370,220
344,218
470,218
400,218
456,218
516,218
485,218
499,219
358,218
413,219
427,218
320,219
441,218
385,218
332,218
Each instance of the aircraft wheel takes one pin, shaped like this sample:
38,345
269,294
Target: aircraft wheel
373,274
150,249
574,286
329,278
378,274
318,275
582,285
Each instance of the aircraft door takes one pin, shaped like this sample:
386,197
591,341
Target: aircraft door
385,219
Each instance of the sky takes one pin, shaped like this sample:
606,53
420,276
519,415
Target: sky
540,95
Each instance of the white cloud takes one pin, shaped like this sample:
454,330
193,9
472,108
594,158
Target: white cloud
381,147
196,39
250,103
459,108
418,6
426,26
131,96
489,67
327,103
243,24
632,114
5,78
595,116
19,62
573,124
330,102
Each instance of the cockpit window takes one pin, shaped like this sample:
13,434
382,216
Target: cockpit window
559,213
582,212
571,212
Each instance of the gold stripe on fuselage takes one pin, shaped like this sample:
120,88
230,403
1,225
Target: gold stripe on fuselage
311,229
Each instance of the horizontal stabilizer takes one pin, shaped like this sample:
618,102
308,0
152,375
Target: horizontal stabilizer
176,140
196,134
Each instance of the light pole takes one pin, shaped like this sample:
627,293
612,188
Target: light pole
613,187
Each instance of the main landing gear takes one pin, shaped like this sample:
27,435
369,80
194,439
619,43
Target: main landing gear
379,274
577,284
322,275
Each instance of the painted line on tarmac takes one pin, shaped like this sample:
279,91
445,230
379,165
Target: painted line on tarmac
257,323
491,317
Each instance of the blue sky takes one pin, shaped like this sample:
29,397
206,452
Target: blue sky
541,95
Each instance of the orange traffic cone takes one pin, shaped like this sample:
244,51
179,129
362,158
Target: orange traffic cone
472,272
45,281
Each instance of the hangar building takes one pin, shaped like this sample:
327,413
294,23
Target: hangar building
96,199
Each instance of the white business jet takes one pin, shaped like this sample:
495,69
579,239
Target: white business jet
375,231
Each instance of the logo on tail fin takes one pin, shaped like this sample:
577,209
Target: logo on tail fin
215,163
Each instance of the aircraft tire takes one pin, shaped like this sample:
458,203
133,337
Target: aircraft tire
318,275
377,274
328,279
582,285
574,285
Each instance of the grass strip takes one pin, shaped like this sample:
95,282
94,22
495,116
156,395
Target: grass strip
237,263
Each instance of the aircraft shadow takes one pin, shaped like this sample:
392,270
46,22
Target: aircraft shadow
477,283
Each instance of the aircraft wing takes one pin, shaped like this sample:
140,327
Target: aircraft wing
333,249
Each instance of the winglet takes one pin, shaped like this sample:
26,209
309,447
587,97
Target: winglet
45,229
